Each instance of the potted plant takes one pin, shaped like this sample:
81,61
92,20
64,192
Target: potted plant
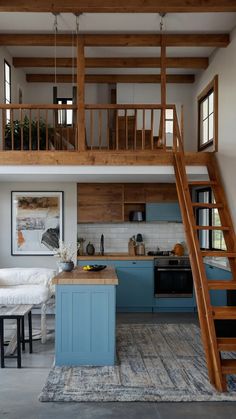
65,254
37,128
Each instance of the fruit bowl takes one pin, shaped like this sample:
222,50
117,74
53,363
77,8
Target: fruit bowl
95,268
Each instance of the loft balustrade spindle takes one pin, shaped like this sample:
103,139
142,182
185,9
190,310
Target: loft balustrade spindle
108,128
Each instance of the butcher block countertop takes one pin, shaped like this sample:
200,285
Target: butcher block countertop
115,256
78,276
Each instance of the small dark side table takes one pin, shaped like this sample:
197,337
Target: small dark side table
18,313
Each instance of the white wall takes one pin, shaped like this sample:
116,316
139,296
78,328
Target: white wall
178,94
43,92
17,77
70,222
223,63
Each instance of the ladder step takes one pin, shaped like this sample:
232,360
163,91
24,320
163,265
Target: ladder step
212,228
206,205
226,344
228,366
218,253
224,313
221,285
202,182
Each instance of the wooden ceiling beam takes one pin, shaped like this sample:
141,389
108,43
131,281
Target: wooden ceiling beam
134,62
117,6
118,40
111,78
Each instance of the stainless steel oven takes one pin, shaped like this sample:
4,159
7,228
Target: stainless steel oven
173,277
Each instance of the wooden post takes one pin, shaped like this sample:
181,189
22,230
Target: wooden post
163,90
80,93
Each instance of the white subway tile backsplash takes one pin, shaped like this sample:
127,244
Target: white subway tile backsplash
116,236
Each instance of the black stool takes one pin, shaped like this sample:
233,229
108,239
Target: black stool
18,313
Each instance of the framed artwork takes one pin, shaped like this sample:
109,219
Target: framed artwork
36,222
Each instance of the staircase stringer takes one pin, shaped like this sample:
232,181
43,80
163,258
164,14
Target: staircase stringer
224,213
199,276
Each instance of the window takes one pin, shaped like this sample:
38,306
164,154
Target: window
209,239
7,87
208,116
65,116
169,124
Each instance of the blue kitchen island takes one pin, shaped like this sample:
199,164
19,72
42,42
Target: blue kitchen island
85,317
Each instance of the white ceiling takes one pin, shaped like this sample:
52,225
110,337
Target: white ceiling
115,23
98,174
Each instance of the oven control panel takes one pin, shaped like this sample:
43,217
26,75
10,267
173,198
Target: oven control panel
172,261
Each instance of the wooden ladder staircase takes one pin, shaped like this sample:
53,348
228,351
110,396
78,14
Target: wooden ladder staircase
218,367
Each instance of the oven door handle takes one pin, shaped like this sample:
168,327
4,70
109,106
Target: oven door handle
174,268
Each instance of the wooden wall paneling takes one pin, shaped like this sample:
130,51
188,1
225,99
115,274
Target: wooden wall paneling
100,213
100,193
100,202
134,193
161,192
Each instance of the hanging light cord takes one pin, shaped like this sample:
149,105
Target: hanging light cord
162,15
55,28
77,16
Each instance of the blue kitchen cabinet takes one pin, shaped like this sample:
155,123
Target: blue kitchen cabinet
163,211
175,304
218,297
135,289
85,325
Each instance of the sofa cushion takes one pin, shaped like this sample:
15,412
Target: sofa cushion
21,276
24,294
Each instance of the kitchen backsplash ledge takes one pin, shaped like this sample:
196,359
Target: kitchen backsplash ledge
162,235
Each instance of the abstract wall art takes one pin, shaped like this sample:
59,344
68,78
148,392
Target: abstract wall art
37,222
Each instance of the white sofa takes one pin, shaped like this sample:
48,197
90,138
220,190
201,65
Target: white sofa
27,286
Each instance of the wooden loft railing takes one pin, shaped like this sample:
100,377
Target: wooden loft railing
107,127
37,127
129,127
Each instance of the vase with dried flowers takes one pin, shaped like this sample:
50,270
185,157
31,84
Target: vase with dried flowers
65,254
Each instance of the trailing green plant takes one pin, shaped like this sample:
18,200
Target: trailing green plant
21,130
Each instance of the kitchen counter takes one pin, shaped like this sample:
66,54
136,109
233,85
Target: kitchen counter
115,256
85,317
78,276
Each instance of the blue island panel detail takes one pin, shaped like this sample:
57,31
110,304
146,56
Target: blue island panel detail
85,324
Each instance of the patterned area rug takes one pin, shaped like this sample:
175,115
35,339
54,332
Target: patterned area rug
155,362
